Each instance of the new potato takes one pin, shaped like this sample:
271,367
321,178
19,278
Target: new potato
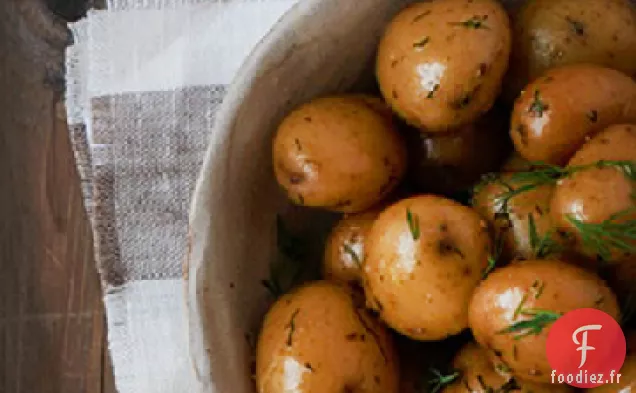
425,256
316,339
440,64
479,375
552,33
509,294
557,112
345,249
598,195
339,153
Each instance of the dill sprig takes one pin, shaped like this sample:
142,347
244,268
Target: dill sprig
493,258
414,224
614,233
539,319
285,272
541,174
542,246
439,380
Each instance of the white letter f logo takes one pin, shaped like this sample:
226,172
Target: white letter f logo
583,346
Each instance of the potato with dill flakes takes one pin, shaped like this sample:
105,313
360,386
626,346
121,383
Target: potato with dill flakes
345,249
440,63
477,374
317,339
339,153
557,112
511,312
449,163
425,256
522,223
594,206
551,33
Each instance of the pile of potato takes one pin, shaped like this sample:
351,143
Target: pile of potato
533,115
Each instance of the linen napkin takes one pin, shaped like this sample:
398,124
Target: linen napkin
144,81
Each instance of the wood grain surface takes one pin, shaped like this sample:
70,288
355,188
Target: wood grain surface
52,336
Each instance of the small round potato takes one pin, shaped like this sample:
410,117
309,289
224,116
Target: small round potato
344,252
339,153
588,200
555,113
514,293
318,340
479,375
450,163
513,222
440,64
425,256
551,33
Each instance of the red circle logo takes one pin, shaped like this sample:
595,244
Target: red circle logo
586,348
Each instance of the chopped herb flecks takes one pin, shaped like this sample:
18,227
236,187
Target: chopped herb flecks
439,380
592,116
476,22
431,93
352,253
544,246
421,43
292,327
414,224
577,26
538,107
538,320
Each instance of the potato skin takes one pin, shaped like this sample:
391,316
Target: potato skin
333,344
513,225
480,375
596,194
552,33
434,268
436,69
449,163
344,251
550,285
555,113
339,153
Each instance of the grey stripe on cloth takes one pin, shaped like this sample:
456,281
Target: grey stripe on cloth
146,154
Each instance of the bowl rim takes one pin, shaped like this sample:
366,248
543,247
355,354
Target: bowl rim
272,49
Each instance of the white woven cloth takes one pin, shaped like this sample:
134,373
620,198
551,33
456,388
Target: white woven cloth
144,80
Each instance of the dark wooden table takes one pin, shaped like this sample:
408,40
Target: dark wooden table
52,336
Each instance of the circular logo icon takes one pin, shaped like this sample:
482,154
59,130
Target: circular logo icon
586,348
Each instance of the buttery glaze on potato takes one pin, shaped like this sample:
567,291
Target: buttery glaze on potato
339,153
551,285
448,163
595,195
425,256
479,375
318,340
552,33
440,64
555,113
345,249
513,223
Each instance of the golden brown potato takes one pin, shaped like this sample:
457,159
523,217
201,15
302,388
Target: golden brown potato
440,64
317,340
555,113
516,163
513,294
479,375
339,153
552,33
344,252
512,222
425,255
452,162
597,199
